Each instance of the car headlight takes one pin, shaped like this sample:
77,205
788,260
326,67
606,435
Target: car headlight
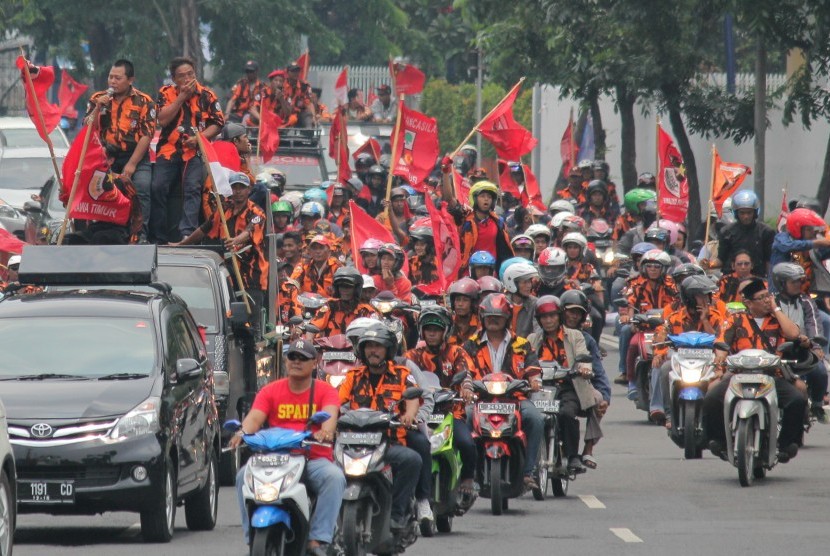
496,387
438,439
141,420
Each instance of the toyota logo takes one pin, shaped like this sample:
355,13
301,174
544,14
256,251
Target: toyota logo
41,430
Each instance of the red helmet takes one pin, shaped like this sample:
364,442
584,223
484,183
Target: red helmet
801,217
547,304
465,286
490,284
495,305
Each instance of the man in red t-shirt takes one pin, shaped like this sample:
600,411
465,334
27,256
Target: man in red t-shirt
287,403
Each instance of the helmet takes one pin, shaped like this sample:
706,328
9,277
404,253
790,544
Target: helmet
646,179
559,218
490,284
368,282
312,208
265,179
516,272
282,207
347,276
657,256
506,264
364,161
422,230
561,206
656,233
378,333
377,170
552,265
594,186
642,248
697,285
316,194
598,228
370,246
385,161
600,165
674,229
535,230
482,258
398,192
356,328
495,305
573,223
547,304
585,164
575,299
278,175
394,250
809,203
633,198
295,199
482,187
801,217
523,241
577,238
783,272
466,287
683,271
338,188
435,315
745,199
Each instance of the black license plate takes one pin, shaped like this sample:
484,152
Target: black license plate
45,492
362,438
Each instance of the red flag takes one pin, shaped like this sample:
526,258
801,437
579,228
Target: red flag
783,214
510,139
69,93
672,187
408,79
728,178
91,201
9,243
568,148
372,97
227,155
365,227
462,187
339,146
41,82
218,169
417,147
447,246
529,193
269,133
371,146
341,87
303,62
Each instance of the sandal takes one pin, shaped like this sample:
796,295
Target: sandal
589,461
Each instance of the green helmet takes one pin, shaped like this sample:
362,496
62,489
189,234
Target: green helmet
637,196
282,206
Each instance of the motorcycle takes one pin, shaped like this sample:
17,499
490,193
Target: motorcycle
278,504
399,317
337,357
446,461
645,325
599,234
364,524
502,445
691,372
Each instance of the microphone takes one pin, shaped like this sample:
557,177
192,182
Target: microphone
110,92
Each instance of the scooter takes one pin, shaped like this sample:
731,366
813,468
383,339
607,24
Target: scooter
645,325
336,359
446,461
364,524
498,432
599,234
690,375
278,504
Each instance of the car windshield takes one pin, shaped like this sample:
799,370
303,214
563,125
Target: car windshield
19,138
193,284
87,347
299,169
25,173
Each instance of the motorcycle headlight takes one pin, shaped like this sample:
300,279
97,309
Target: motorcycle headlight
141,420
268,481
608,258
268,492
438,439
356,466
496,388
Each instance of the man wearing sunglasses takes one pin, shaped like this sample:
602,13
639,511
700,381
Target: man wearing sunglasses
764,325
289,403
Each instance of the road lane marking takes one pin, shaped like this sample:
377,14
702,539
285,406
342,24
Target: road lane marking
626,535
592,501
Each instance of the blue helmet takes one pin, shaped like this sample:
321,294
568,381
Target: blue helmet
482,258
642,248
316,194
409,189
508,263
745,199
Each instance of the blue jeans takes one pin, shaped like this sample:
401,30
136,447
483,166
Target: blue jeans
533,425
626,333
660,398
825,327
175,198
326,481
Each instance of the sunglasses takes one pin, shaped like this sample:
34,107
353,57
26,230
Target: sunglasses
298,357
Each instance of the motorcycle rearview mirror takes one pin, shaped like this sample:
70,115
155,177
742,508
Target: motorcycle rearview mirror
413,393
320,417
312,329
295,321
232,425
786,346
721,346
620,302
459,378
819,340
584,358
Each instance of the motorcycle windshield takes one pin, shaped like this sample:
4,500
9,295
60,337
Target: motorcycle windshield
275,440
692,340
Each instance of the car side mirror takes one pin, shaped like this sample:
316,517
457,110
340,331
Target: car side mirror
32,206
188,368
239,314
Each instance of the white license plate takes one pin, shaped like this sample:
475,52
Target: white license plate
497,408
46,492
363,438
695,353
547,406
436,418
339,356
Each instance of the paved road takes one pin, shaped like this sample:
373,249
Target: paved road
643,499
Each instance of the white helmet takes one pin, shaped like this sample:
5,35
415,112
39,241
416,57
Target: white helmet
523,239
656,256
368,281
562,205
538,229
518,271
559,218
575,237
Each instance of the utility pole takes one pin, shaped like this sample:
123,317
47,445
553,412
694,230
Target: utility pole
479,85
760,118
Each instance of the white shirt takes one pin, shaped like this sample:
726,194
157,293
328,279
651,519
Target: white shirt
497,354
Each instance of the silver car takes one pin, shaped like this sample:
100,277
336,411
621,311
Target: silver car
8,498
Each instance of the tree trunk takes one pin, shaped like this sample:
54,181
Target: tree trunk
679,131
190,36
101,47
760,119
824,184
628,147
599,131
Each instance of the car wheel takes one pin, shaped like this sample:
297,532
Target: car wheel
200,509
157,523
7,515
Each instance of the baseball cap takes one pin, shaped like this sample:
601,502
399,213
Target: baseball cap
239,177
276,73
251,65
232,130
322,240
14,260
304,348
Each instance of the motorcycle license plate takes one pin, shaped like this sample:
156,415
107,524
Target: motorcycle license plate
547,406
339,356
363,438
46,492
436,418
497,408
695,353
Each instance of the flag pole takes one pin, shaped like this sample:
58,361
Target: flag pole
572,158
711,204
475,129
75,180
31,87
259,129
395,138
224,221
657,165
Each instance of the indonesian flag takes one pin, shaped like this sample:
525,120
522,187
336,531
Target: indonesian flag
218,171
341,87
269,132
92,201
672,186
365,227
417,147
568,149
408,79
227,155
783,213
339,146
69,93
728,178
528,193
303,62
510,139
371,146
41,82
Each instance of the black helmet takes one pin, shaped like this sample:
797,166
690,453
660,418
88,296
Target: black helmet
657,234
647,179
784,272
601,165
596,185
683,271
385,161
422,233
380,334
394,250
696,285
435,315
347,276
575,299
377,170
364,161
